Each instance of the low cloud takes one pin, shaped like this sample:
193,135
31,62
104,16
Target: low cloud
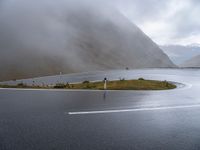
166,22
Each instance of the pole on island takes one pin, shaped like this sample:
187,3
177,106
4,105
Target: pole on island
105,83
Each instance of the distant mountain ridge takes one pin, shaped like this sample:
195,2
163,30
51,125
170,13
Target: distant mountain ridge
179,53
76,39
193,62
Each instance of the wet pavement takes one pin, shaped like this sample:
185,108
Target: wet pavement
73,120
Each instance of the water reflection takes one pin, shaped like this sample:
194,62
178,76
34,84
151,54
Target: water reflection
104,95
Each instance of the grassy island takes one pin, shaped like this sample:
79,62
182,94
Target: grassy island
122,84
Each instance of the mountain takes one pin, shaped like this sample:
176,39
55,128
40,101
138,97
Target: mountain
38,40
193,62
179,53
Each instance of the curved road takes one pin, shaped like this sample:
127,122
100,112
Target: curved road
81,119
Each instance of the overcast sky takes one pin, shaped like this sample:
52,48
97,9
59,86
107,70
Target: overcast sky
165,21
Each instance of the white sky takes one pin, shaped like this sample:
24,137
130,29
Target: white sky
165,21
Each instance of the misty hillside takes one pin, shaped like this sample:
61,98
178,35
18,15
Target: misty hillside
193,62
179,53
38,39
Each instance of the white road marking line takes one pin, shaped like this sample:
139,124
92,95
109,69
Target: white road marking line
132,110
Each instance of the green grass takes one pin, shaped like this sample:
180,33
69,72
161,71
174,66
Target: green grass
21,85
140,84
126,85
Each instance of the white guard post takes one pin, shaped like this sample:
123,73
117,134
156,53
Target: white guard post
105,83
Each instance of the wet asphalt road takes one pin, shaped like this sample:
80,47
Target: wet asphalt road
141,120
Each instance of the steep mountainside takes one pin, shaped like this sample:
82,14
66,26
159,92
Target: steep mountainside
38,41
